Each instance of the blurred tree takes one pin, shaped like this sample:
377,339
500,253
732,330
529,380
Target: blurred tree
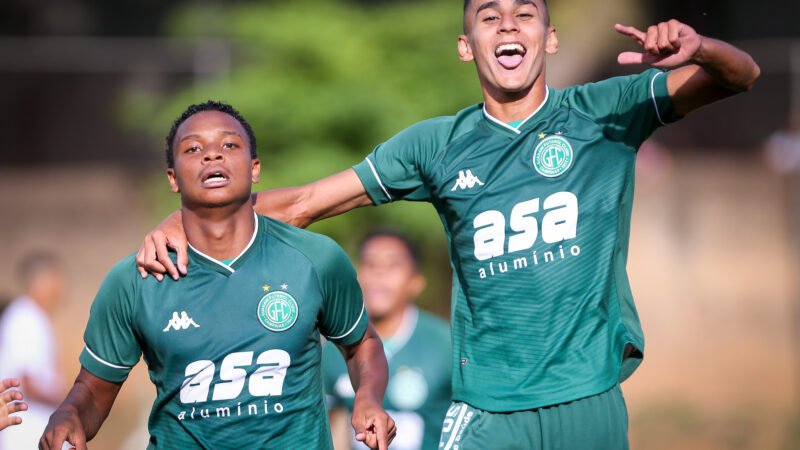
320,84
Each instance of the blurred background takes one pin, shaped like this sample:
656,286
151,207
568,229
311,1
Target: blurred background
89,88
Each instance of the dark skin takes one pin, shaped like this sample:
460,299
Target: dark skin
214,173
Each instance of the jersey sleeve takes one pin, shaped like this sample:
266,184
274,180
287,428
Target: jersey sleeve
398,168
343,319
111,348
629,108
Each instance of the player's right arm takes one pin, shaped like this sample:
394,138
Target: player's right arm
393,171
299,206
78,419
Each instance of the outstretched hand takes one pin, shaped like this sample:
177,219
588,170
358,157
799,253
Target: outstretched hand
10,403
666,45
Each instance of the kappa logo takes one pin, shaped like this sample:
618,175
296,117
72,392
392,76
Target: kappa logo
466,180
181,322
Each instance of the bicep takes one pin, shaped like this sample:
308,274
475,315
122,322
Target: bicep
691,87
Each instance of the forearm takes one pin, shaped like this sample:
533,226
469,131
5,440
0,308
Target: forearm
90,401
368,369
303,205
728,66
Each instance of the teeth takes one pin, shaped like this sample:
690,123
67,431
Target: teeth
509,48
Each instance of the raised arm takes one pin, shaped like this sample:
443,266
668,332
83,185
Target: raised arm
706,69
79,417
368,371
299,206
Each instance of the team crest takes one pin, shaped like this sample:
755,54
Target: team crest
277,311
553,156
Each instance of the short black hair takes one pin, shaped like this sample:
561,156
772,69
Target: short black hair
209,105
414,250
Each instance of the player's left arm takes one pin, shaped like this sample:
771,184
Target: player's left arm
369,373
705,70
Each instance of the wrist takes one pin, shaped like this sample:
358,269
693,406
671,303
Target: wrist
700,56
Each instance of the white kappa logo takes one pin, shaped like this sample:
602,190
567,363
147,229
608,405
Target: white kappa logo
181,322
466,180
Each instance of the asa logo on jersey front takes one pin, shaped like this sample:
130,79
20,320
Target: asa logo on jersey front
277,311
553,156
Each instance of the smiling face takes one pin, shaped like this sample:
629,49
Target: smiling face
508,40
213,166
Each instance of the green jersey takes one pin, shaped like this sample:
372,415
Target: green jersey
537,220
233,350
418,393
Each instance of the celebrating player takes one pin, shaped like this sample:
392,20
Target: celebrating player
417,344
234,350
10,403
534,187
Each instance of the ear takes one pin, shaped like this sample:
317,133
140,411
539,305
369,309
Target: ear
551,46
173,180
418,284
464,49
255,170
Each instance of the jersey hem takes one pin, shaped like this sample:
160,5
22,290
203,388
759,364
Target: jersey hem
476,400
366,173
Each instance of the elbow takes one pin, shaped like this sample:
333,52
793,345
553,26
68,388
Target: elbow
749,82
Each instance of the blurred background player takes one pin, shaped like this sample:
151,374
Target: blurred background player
416,343
28,350
10,402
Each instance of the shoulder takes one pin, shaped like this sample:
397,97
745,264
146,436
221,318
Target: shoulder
320,250
614,85
124,271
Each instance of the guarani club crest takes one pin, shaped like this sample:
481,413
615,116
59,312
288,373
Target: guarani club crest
553,156
277,311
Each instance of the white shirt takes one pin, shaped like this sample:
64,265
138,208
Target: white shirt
28,348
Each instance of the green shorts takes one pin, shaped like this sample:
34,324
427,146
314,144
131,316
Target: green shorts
599,422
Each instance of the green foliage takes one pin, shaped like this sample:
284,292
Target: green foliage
322,83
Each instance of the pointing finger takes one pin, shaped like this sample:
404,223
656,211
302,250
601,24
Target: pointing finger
380,430
631,32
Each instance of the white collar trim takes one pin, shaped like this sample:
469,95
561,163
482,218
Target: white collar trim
516,130
249,244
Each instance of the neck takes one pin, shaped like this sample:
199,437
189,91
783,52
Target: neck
221,233
509,107
388,325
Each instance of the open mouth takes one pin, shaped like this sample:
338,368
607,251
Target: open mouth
510,56
215,179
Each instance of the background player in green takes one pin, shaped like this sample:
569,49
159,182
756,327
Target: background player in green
416,343
534,188
234,349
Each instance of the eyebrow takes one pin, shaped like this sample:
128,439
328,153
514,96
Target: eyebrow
495,4
197,136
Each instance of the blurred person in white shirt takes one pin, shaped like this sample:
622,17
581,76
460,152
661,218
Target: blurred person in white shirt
28,350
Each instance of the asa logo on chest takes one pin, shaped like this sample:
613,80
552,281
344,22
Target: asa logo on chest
553,155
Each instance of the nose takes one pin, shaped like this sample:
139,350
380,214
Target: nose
508,23
213,153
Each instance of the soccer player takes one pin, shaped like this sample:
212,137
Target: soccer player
416,343
234,349
534,188
10,403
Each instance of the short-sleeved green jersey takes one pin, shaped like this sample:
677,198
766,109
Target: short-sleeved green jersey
234,351
418,393
537,220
